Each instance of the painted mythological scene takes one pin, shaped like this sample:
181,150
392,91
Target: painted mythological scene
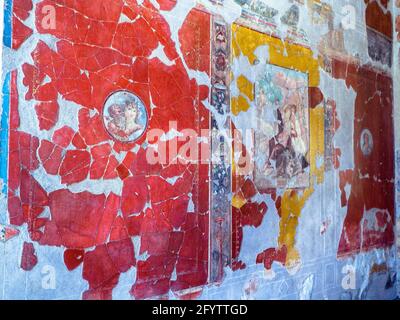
282,131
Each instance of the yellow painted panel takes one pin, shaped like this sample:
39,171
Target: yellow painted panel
244,43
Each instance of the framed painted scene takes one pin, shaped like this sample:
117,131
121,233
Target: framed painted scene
282,135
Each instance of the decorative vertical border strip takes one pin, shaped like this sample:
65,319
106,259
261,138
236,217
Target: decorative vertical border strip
396,120
220,253
4,132
7,35
397,210
5,107
329,119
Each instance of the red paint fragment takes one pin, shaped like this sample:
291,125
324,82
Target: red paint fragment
29,259
134,195
20,33
22,8
76,219
75,166
63,136
73,258
47,113
269,256
102,267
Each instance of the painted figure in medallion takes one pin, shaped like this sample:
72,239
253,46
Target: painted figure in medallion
125,116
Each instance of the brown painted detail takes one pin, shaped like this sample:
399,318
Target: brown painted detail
377,19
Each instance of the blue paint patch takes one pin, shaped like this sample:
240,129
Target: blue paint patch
7,35
4,131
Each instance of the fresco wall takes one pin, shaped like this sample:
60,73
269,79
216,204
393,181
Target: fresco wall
223,149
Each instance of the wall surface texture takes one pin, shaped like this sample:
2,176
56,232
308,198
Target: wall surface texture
209,149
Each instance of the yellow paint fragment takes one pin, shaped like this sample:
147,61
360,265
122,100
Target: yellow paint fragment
245,87
239,104
317,143
238,200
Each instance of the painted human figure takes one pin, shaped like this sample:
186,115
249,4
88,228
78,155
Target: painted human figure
117,122
294,129
287,148
366,145
291,89
122,121
267,126
131,117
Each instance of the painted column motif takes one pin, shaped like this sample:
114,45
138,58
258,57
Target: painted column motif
220,218
396,71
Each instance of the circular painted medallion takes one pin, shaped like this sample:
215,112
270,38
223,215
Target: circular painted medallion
125,116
